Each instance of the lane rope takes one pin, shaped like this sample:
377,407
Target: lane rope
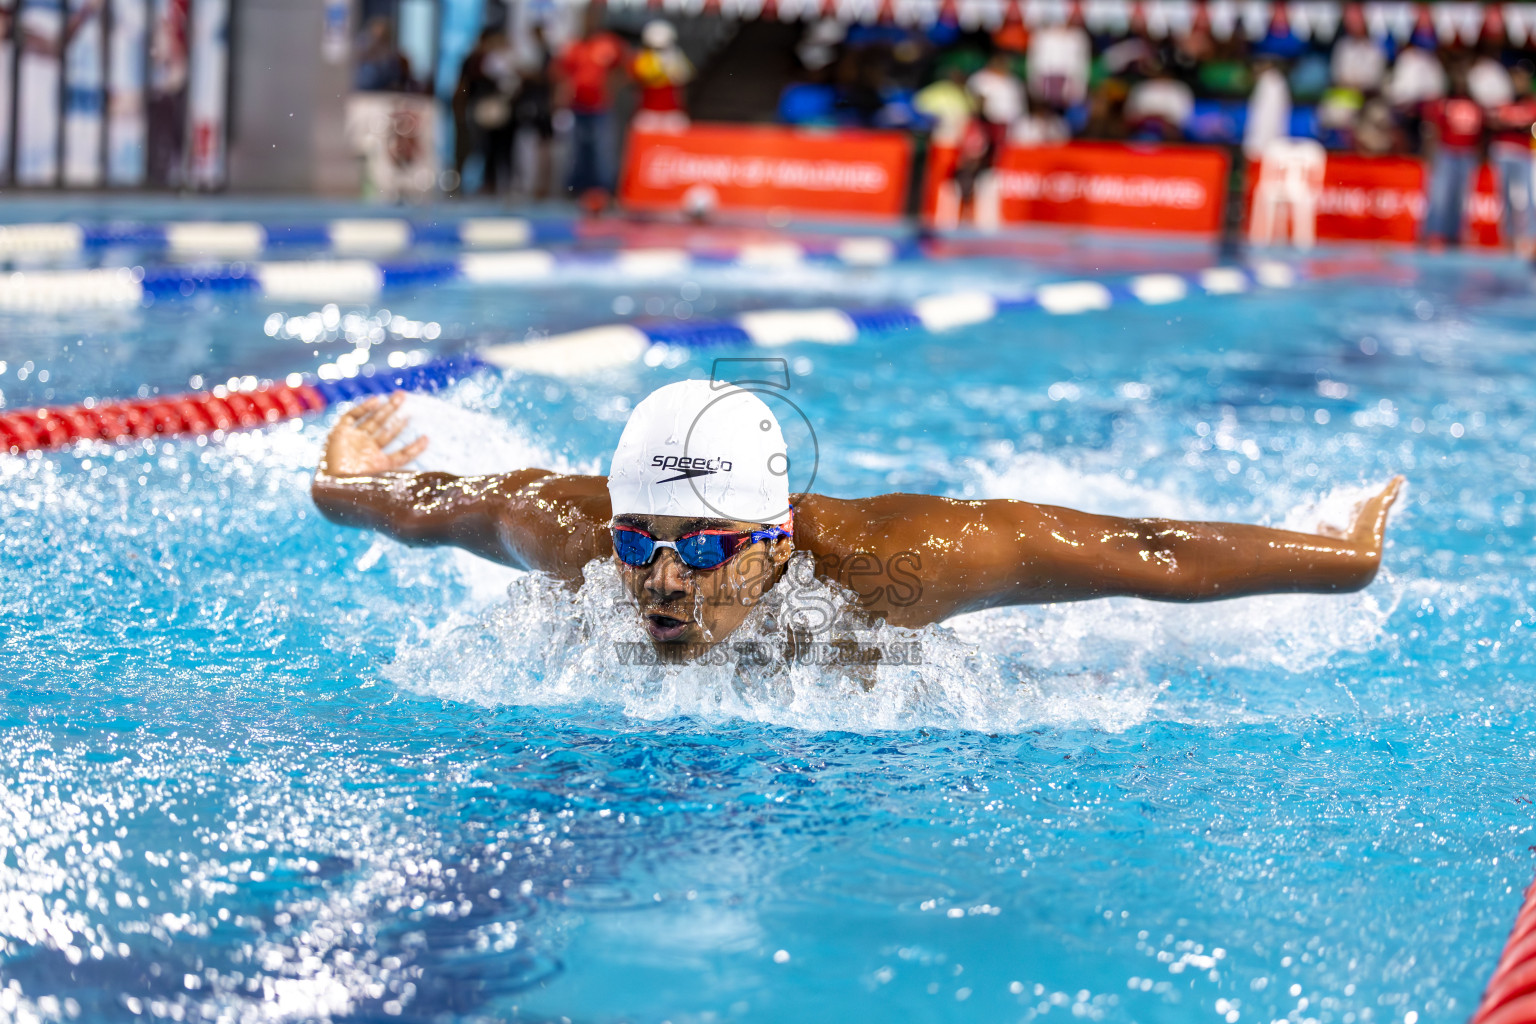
595,349
613,345
1510,997
363,280
362,236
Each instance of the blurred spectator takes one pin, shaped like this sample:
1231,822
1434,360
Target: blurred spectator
1193,48
1106,110
381,67
1488,81
169,77
1510,153
1269,109
811,101
818,47
1453,128
1058,63
1135,55
947,104
1158,109
533,108
1358,70
999,98
1376,132
482,110
1417,76
587,72
1358,62
661,69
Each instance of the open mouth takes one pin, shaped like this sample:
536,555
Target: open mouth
664,627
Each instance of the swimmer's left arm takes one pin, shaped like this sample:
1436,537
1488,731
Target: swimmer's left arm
1067,555
921,559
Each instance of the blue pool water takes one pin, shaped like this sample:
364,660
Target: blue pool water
257,767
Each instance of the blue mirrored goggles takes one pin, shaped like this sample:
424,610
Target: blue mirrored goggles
704,549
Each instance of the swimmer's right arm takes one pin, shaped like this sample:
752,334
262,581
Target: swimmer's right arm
528,519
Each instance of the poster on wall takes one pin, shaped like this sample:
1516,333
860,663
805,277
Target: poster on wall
84,74
127,127
41,32
1102,184
766,167
209,73
169,74
396,134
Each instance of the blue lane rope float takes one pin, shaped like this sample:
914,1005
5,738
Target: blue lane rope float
595,349
612,345
369,236
363,280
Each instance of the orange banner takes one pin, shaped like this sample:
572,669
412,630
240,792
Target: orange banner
1102,184
1382,199
751,167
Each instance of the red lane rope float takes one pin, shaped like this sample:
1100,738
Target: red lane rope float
38,429
1511,994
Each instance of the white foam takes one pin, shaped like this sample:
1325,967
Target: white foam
545,648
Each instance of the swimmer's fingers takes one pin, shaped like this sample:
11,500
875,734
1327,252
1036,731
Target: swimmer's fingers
360,412
405,455
387,430
1371,519
377,410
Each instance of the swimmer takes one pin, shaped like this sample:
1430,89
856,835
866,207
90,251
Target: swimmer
697,515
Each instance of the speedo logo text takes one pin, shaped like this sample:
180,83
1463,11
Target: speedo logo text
690,466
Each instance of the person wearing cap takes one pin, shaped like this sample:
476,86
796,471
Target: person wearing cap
662,70
696,512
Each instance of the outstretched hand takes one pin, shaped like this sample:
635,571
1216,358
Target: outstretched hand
356,445
1370,523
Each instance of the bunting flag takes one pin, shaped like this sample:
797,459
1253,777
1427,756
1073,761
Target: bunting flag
1450,21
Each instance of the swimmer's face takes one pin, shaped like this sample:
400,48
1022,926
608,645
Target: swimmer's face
680,605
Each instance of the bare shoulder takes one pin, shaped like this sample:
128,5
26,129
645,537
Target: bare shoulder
899,521
555,522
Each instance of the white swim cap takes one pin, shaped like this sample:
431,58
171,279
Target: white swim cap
701,450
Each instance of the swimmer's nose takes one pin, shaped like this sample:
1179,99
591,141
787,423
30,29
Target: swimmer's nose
666,580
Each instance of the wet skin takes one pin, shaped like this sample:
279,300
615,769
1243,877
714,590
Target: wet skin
912,559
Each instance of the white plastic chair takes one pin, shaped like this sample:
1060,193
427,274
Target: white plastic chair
1290,180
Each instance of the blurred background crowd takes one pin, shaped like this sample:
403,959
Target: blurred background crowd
1456,101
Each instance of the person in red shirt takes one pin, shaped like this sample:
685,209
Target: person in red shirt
588,69
1453,131
1510,153
661,69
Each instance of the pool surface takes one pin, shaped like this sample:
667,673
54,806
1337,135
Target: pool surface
257,767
